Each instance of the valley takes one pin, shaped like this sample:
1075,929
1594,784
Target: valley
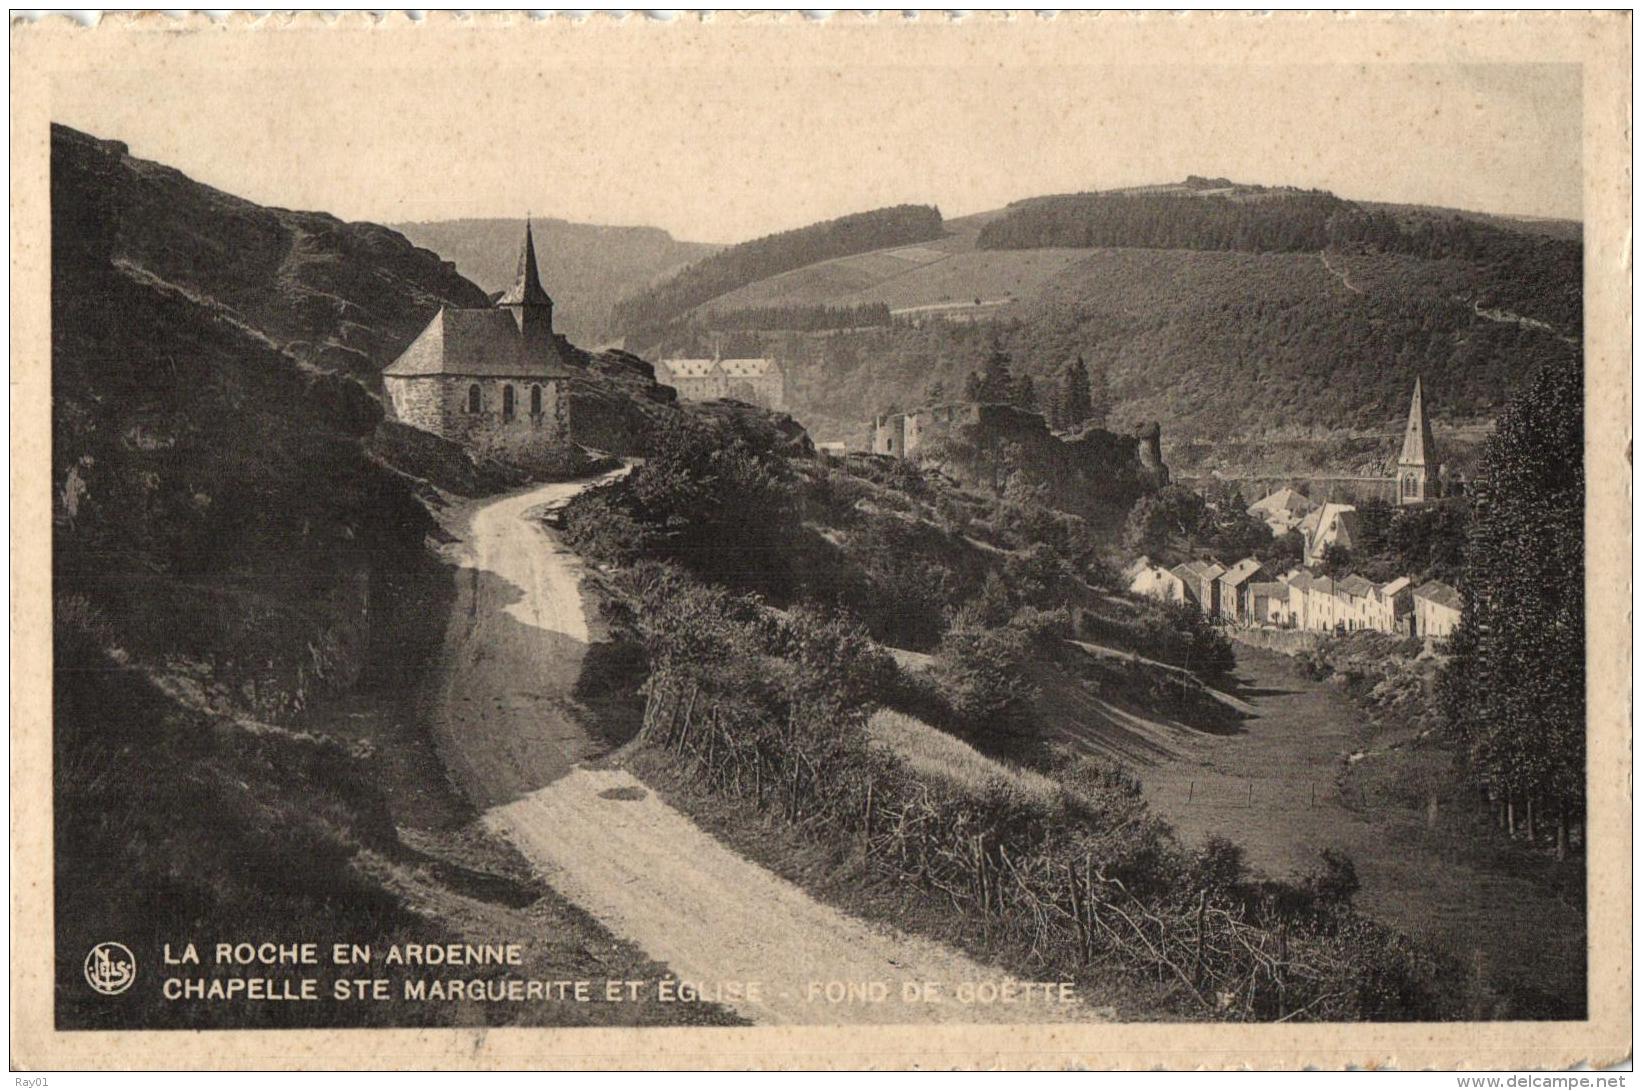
434,626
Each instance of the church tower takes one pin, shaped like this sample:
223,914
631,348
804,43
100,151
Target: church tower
529,302
1417,479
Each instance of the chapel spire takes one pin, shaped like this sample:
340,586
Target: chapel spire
527,290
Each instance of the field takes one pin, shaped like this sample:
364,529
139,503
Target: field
1273,786
910,278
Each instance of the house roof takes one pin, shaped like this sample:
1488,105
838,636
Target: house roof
1212,570
479,342
1302,580
1187,571
1284,501
687,367
1271,590
1355,586
747,367
1396,586
1440,593
744,367
1242,570
1322,585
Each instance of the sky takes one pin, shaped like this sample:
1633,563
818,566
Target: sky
722,153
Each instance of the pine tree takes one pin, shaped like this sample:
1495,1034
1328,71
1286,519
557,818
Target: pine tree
1513,693
1024,394
994,382
1099,396
1074,394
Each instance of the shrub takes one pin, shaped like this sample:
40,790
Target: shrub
774,712
983,673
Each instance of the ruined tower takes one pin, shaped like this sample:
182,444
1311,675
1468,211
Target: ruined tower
528,301
1417,479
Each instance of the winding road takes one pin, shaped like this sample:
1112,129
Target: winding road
511,735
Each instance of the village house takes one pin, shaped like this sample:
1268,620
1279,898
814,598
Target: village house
1390,607
1330,525
1146,578
1283,510
1436,610
1201,582
1354,593
754,380
1235,604
1269,603
490,378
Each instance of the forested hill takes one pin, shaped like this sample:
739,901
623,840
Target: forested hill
1205,216
1529,272
586,268
1227,312
772,255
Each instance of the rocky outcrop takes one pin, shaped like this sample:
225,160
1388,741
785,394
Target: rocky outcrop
1093,472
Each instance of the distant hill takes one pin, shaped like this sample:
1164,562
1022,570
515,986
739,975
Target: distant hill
771,256
586,268
1226,312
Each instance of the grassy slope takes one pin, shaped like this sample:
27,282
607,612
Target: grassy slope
343,296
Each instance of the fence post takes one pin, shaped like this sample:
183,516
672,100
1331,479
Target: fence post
1197,963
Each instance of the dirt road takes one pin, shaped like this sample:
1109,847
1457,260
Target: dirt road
513,651
508,725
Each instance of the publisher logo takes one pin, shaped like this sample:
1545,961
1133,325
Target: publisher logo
111,968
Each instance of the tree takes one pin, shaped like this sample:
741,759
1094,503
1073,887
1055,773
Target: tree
1074,394
935,393
1099,396
1024,394
1172,512
994,382
1513,693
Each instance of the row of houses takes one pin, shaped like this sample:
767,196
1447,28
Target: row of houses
1247,594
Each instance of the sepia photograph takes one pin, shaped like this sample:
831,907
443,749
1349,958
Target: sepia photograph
887,524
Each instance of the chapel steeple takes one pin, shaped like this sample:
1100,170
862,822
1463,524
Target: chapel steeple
532,307
1417,466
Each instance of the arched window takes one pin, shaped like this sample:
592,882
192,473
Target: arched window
1411,486
535,401
474,403
507,402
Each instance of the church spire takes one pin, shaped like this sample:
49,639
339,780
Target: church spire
527,290
1417,479
1418,448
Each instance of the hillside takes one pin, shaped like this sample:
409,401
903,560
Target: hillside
586,268
341,296
1227,313
244,603
770,256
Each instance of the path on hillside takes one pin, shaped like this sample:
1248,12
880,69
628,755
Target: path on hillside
1345,277
508,725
